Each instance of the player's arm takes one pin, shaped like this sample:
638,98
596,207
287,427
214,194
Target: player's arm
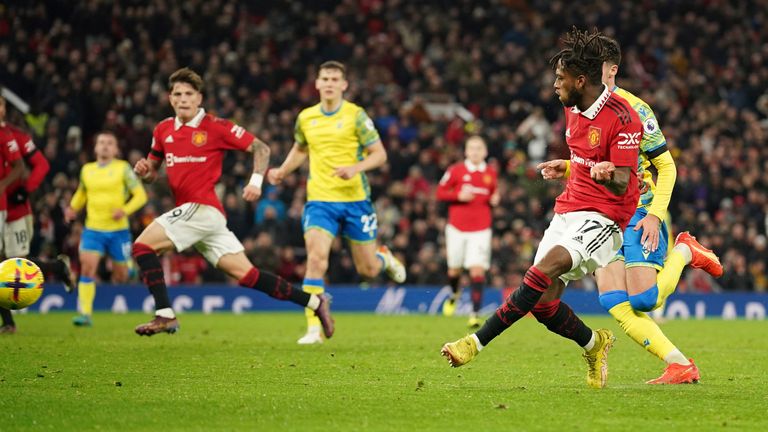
138,194
39,169
377,156
615,179
296,157
77,202
368,137
17,170
260,150
555,169
448,191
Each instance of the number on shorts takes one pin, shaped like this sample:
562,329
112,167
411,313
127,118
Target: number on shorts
21,237
370,223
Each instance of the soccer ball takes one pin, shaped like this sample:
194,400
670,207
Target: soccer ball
21,283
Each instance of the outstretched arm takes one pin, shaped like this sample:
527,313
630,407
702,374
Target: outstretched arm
296,158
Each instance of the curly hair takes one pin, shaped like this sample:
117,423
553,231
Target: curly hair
583,55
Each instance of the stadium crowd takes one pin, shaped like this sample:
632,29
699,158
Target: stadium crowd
702,65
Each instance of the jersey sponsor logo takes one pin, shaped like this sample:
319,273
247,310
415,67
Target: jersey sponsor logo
171,159
582,161
650,126
169,139
629,140
199,138
13,146
593,136
29,147
238,131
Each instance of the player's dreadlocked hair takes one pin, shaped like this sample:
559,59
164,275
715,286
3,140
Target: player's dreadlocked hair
611,50
582,55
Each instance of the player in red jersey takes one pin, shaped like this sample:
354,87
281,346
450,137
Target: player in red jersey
470,189
603,134
192,145
17,229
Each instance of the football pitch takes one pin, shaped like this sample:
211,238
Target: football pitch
245,372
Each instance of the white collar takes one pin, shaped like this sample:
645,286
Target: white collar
594,110
472,167
195,122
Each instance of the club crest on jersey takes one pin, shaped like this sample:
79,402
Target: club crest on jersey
593,136
487,179
199,138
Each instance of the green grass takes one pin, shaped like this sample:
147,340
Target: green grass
227,372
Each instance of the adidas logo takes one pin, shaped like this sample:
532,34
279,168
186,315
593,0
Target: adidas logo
579,239
169,139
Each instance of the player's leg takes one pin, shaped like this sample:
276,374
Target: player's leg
455,249
237,265
119,249
318,243
687,250
573,245
92,246
9,326
360,228
320,221
178,228
478,261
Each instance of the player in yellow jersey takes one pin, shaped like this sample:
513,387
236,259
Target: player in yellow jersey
110,192
341,143
643,274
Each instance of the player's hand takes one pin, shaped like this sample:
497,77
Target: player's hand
495,199
602,172
69,214
553,169
251,193
142,168
275,176
118,214
650,225
465,194
346,172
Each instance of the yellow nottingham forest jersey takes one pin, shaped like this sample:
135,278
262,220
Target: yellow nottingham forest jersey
652,145
104,189
333,140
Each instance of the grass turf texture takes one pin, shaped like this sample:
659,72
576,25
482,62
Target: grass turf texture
228,372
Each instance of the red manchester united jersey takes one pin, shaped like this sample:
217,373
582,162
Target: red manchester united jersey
193,153
609,130
37,169
481,180
9,152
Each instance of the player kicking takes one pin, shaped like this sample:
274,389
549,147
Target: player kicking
17,231
192,145
603,134
470,189
110,192
341,143
643,275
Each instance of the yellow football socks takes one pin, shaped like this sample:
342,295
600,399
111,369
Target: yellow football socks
312,286
86,293
668,278
643,330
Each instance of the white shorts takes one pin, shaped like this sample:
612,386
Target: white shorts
17,236
467,249
591,238
201,226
